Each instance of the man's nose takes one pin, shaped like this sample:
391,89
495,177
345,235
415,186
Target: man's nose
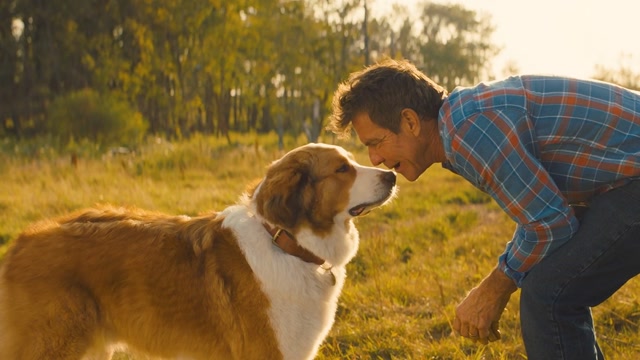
375,158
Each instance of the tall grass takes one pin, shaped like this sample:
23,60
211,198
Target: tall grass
417,259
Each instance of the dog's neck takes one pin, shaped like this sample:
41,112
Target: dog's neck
288,243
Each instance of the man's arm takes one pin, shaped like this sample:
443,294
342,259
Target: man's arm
493,150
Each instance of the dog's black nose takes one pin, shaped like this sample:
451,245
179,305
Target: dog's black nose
389,177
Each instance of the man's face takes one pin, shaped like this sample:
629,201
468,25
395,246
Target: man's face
407,152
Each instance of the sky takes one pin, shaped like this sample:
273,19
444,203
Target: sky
559,37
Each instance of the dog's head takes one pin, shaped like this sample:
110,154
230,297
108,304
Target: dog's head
317,185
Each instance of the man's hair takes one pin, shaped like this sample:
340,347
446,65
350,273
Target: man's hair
382,91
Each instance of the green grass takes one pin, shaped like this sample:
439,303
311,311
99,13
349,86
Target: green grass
418,256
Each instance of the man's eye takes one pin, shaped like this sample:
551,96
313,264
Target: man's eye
343,168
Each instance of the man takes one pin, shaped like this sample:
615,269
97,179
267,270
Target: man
561,156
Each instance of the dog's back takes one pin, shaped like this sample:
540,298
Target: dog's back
163,284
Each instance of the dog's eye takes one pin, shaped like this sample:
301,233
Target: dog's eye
343,168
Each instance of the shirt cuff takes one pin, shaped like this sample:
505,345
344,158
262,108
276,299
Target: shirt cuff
516,276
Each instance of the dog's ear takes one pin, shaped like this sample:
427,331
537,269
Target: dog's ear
283,193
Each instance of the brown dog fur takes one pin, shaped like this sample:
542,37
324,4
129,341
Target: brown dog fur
184,275
208,287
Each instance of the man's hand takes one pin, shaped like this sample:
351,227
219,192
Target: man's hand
478,315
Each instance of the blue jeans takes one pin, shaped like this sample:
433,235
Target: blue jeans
558,293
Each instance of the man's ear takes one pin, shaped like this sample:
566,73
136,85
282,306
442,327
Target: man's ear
410,121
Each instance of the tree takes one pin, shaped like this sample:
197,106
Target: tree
624,75
101,119
454,46
10,33
219,65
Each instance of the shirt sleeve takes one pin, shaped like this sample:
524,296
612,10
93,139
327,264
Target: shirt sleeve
496,151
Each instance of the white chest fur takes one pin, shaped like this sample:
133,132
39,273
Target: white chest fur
303,300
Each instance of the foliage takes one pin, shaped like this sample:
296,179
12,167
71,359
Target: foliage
418,255
624,75
218,66
453,45
101,119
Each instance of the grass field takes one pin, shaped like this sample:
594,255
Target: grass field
418,256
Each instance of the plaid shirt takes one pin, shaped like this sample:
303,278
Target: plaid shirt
537,144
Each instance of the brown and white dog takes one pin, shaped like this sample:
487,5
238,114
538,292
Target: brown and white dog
259,280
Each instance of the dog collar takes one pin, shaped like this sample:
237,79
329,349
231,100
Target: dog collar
288,243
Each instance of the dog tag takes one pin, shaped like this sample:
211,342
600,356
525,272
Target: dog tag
326,268
333,278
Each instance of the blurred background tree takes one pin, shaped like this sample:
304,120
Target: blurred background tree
623,75
85,115
215,66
